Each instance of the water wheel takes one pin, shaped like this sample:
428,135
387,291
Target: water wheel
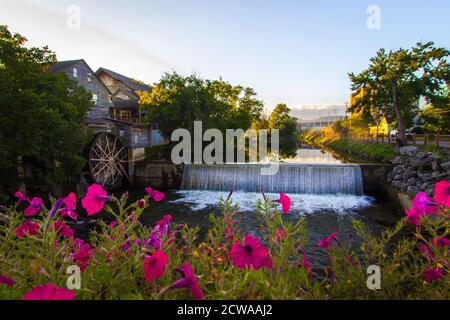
107,160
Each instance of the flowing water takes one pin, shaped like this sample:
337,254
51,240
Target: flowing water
328,194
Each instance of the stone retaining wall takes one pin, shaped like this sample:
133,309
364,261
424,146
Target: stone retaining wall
157,174
416,171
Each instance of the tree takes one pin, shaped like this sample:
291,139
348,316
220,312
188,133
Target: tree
395,80
280,119
177,101
42,115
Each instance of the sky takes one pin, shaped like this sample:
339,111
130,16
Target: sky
297,52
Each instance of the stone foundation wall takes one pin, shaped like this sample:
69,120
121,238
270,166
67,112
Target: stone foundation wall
157,174
416,171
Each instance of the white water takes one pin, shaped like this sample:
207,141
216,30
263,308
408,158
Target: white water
290,178
300,203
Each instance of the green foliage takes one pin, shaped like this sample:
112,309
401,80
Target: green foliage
395,80
177,101
158,152
117,273
437,119
281,120
349,150
42,115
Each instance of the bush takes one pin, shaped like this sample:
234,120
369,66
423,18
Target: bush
126,260
349,150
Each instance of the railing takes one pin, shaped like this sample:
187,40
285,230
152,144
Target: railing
439,140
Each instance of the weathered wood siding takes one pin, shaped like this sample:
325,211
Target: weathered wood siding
88,80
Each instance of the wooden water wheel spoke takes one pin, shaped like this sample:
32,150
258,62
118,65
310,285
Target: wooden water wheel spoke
107,160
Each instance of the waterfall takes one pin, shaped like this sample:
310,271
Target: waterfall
291,178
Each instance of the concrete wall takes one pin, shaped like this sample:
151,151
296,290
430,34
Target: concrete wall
373,174
157,174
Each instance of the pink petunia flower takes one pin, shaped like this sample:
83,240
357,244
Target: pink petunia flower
141,203
155,195
82,253
440,242
63,230
95,199
6,281
27,228
326,243
20,196
423,204
423,248
414,216
432,274
285,202
70,205
442,193
155,265
49,292
281,235
251,254
307,265
188,281
35,206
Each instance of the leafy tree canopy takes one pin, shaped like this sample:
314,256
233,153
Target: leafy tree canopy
42,115
395,80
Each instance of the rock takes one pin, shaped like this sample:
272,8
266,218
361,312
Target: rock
425,186
409,150
424,176
422,155
396,184
409,174
430,191
439,175
435,166
412,190
398,160
398,177
412,181
445,165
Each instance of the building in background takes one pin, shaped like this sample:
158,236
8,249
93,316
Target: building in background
125,98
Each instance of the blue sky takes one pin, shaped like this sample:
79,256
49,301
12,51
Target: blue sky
297,52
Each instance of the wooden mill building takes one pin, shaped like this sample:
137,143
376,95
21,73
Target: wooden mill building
122,133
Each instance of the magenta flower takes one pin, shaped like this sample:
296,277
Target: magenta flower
442,193
423,248
285,202
27,228
82,254
188,281
155,195
35,206
307,265
95,199
432,274
20,196
440,242
281,234
155,265
49,292
63,230
423,204
250,255
141,203
6,281
414,216
326,243
70,205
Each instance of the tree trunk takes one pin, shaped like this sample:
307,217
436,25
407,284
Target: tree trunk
401,141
